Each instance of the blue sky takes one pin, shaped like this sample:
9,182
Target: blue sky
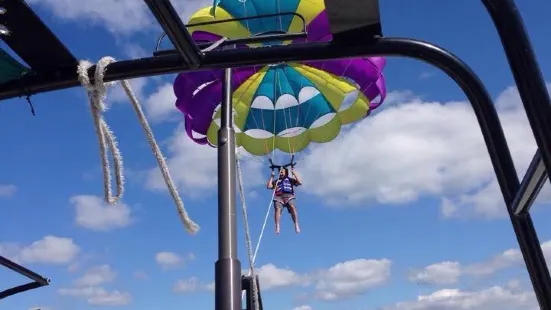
418,176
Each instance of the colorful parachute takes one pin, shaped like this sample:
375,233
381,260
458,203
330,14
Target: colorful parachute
281,106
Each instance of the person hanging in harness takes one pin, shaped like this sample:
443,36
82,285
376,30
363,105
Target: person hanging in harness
284,196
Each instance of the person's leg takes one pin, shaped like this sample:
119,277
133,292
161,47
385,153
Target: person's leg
277,215
294,214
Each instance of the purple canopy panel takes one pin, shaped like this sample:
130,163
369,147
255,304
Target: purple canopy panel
199,107
317,30
365,72
188,124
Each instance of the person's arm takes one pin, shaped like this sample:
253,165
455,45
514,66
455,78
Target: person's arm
296,177
270,184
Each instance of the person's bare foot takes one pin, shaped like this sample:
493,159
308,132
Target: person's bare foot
297,229
277,230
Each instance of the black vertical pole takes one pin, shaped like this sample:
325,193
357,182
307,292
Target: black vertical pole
228,267
535,98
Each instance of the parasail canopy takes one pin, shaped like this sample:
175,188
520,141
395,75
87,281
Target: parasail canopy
282,106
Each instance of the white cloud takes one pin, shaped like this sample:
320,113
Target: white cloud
415,149
161,105
105,13
446,273
396,97
140,274
493,298
194,169
73,267
352,278
93,213
109,14
187,7
303,307
192,166
188,285
49,250
504,260
426,75
272,277
96,276
343,280
8,190
89,288
406,150
440,273
97,296
117,94
170,260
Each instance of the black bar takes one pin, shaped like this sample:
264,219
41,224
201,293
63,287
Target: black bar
354,20
150,66
228,268
176,31
534,95
531,185
38,280
31,39
257,39
23,271
19,289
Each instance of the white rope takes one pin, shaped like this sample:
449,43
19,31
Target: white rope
252,256
214,45
97,93
252,273
265,222
106,138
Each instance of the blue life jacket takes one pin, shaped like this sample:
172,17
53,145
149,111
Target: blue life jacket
284,186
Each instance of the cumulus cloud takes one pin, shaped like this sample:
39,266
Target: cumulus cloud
140,274
492,298
93,213
415,149
189,285
109,14
96,276
7,190
194,167
118,95
160,105
89,288
440,273
352,278
272,277
170,260
408,149
343,280
445,273
97,296
49,250
104,13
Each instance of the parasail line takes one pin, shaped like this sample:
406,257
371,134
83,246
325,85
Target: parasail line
247,232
